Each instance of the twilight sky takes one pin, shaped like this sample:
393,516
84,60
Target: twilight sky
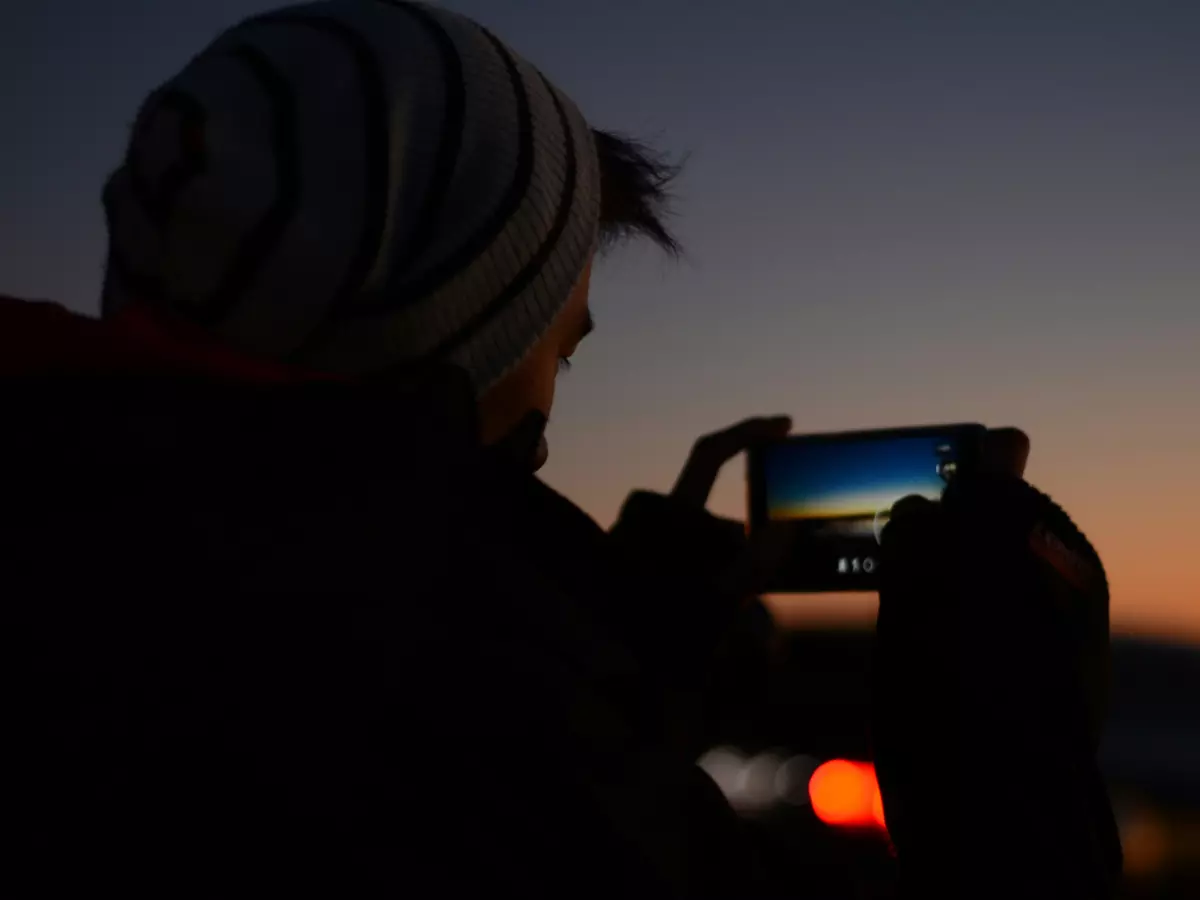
895,213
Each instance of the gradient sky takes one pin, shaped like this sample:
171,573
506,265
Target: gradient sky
895,213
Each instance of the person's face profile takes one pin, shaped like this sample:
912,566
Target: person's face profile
518,407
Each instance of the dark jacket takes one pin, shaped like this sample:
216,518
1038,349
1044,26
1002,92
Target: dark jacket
279,634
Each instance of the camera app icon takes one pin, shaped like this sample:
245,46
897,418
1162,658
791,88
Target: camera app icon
946,464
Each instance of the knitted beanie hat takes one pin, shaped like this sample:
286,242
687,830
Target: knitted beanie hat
356,186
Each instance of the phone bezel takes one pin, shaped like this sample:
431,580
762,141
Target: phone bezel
968,435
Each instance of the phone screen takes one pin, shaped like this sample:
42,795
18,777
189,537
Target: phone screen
837,492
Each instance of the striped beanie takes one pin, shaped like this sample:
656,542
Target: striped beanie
357,186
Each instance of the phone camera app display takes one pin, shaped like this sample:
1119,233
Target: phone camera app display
839,493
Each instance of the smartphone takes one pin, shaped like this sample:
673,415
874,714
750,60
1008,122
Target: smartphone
836,491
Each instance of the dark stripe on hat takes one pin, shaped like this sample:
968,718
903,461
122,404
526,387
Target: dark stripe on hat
117,269
450,142
534,267
375,144
139,186
138,287
158,201
496,221
193,161
266,234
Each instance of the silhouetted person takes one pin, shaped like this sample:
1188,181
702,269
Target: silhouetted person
295,616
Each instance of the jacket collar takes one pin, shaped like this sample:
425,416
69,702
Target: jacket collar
137,346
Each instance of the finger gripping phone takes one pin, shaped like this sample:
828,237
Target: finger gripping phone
835,492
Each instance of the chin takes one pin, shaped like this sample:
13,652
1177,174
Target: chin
542,454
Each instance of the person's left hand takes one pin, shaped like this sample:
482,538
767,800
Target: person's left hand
766,550
711,452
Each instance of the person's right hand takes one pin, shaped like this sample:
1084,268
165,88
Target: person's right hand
989,692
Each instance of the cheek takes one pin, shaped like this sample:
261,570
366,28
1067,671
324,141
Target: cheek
530,387
545,379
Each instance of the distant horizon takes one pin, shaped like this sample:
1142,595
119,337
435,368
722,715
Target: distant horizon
797,612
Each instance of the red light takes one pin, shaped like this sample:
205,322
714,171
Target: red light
846,794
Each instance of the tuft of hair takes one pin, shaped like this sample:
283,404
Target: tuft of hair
635,191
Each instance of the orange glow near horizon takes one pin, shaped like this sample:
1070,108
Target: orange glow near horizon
1123,471
846,794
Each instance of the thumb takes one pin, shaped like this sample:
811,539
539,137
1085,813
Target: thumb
1005,452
